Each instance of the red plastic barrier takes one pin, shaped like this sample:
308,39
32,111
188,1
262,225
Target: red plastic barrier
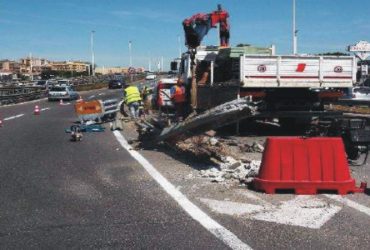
307,165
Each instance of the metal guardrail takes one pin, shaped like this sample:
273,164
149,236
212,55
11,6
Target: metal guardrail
10,95
16,94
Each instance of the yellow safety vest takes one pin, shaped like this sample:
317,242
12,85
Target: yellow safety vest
132,94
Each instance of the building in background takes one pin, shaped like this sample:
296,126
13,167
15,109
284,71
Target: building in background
8,66
116,70
72,66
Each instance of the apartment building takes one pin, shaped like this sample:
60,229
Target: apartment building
75,66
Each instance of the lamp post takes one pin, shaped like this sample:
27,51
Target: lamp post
92,53
295,31
129,50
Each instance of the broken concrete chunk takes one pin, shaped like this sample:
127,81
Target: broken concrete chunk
232,169
211,133
258,147
213,141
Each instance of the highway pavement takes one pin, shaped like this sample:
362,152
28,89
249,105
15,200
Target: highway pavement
101,193
57,194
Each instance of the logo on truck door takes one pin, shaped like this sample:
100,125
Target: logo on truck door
261,68
301,67
338,69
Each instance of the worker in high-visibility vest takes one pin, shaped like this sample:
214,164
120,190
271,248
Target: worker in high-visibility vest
132,99
178,97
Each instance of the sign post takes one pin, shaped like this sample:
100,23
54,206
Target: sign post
361,51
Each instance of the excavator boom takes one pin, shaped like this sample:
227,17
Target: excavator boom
198,25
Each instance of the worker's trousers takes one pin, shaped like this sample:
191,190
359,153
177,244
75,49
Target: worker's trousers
134,109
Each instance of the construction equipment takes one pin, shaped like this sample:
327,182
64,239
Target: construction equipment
96,110
197,26
76,134
292,88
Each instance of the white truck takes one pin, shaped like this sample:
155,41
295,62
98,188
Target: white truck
282,81
297,71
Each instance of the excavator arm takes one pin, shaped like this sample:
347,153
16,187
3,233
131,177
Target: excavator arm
197,26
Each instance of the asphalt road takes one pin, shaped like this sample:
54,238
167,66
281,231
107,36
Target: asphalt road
92,194
56,194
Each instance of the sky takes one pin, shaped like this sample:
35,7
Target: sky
60,30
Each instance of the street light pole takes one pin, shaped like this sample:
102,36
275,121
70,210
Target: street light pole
129,50
92,53
295,31
31,67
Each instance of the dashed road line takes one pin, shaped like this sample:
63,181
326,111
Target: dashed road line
350,203
91,97
21,103
13,117
43,109
195,212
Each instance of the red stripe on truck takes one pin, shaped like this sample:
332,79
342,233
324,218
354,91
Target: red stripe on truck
300,77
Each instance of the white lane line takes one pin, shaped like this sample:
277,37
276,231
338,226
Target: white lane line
13,117
21,103
195,212
91,97
350,203
101,94
43,109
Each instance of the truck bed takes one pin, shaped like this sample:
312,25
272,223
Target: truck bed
258,71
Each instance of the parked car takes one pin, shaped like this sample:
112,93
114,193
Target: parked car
150,77
64,82
62,93
45,84
357,94
116,84
162,94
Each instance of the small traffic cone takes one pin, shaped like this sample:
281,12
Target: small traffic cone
1,123
37,110
61,102
80,99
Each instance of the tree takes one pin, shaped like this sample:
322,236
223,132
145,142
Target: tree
333,54
243,45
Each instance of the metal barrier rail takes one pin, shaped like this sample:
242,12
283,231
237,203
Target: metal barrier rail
9,95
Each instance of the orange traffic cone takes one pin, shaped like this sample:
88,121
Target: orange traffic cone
37,110
61,102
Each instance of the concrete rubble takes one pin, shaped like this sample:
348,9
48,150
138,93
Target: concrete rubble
228,165
232,169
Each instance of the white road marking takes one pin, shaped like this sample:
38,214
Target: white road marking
303,211
231,208
13,117
43,109
21,103
93,96
195,212
101,94
252,196
350,203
